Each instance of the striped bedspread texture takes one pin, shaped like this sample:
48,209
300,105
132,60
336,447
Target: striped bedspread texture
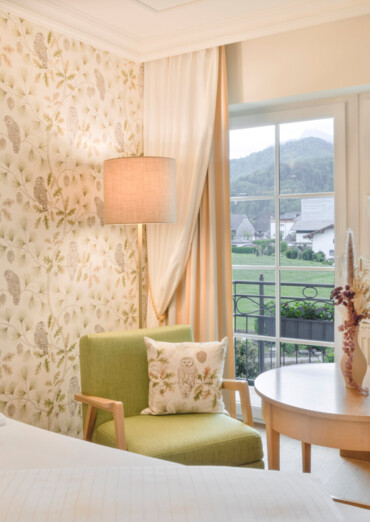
161,494
46,477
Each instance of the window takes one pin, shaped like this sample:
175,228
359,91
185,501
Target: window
286,176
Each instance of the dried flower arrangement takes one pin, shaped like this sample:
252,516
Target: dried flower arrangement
355,297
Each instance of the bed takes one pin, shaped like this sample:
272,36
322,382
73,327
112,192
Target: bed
49,477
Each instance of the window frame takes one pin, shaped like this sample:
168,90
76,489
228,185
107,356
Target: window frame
250,118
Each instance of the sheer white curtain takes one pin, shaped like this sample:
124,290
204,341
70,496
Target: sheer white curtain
179,114
204,295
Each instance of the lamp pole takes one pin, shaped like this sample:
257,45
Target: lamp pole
140,271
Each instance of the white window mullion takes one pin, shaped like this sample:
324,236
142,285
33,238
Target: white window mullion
277,245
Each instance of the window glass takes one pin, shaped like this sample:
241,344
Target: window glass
252,153
306,157
298,222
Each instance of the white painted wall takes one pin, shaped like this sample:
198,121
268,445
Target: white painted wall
324,241
301,238
319,58
285,228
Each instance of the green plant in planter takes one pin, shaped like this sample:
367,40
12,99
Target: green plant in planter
299,310
307,310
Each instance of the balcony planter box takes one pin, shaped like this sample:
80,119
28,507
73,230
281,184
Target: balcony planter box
312,329
317,330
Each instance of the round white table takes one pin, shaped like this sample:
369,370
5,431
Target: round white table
310,403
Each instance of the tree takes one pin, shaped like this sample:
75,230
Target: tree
291,253
320,256
308,254
283,246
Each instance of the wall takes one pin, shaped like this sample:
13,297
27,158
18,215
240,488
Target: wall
324,242
65,107
319,58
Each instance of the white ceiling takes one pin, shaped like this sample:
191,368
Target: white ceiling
143,30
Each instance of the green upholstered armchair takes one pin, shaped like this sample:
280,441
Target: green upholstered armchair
115,384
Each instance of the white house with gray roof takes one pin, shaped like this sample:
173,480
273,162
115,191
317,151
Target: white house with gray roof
315,226
241,227
323,240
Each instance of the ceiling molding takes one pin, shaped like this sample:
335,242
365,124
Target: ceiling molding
84,27
270,22
159,6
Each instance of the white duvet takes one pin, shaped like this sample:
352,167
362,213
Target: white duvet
181,494
49,477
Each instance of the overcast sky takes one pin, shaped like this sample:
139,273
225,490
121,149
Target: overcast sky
245,141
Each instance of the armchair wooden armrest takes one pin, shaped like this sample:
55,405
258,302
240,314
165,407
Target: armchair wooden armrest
245,401
115,407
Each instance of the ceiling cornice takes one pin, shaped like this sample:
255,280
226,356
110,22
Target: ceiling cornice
70,21
271,21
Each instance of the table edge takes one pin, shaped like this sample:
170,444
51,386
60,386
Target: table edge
314,413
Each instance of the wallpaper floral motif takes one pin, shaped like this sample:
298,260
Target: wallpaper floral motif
64,108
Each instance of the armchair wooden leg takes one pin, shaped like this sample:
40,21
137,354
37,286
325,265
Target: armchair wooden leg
119,426
245,402
89,423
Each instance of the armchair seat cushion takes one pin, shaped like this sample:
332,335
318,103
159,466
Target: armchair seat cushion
191,439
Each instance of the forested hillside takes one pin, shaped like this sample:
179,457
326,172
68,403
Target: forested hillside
306,165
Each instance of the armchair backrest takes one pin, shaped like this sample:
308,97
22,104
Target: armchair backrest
114,365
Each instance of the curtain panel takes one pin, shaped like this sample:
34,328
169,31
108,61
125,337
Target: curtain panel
195,260
179,112
204,295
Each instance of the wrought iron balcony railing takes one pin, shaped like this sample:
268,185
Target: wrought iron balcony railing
306,312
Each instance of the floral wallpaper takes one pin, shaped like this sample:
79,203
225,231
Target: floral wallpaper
64,108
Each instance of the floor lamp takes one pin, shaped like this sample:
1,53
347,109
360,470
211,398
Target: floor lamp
139,190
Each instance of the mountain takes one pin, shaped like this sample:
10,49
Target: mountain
317,134
306,166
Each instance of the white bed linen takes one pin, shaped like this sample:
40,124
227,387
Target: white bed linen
23,446
38,460
160,494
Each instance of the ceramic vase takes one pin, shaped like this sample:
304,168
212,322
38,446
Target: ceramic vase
359,364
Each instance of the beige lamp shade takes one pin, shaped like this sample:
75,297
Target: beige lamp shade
139,190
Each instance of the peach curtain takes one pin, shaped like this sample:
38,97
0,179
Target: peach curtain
204,295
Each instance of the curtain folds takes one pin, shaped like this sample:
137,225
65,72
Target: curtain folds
179,112
204,295
190,263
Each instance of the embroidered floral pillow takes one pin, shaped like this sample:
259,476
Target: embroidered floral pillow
185,377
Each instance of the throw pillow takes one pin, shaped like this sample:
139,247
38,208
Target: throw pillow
185,377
